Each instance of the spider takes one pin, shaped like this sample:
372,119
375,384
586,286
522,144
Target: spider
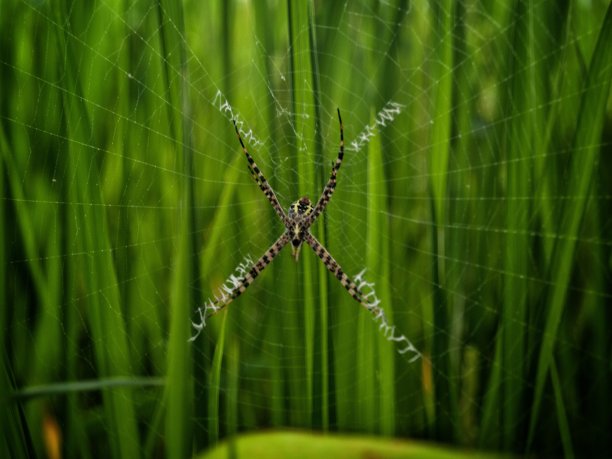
297,222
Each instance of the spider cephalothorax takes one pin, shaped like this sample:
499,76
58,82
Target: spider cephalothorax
302,207
297,222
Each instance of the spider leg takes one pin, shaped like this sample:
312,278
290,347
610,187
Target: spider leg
333,267
240,285
261,180
331,183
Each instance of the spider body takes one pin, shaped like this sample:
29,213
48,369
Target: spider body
297,222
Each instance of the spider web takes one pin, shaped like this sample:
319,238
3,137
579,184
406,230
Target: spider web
435,237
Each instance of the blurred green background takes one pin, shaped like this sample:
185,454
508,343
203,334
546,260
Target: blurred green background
481,208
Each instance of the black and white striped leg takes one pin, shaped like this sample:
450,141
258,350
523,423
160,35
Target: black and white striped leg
235,286
333,267
261,180
331,183
367,300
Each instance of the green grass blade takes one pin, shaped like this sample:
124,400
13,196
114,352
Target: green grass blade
367,416
442,18
4,319
45,390
179,382
14,434
300,19
214,387
377,261
184,282
490,419
521,120
566,437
